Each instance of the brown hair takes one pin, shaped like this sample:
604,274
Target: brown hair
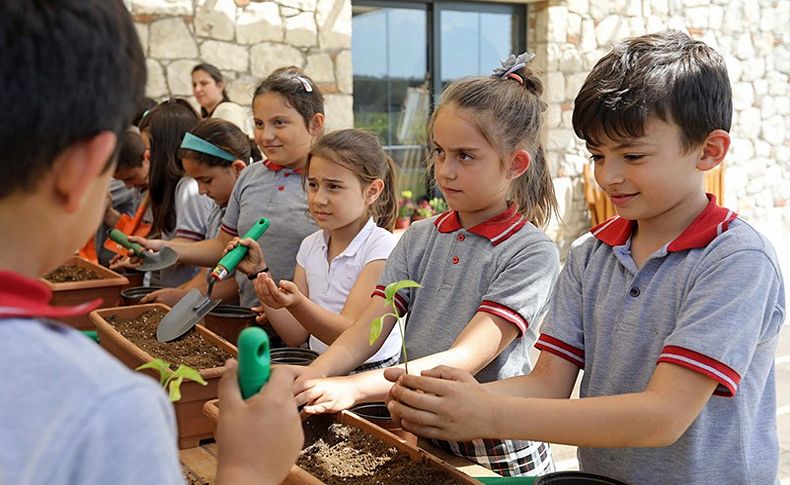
132,150
297,88
360,151
508,112
222,134
214,74
667,74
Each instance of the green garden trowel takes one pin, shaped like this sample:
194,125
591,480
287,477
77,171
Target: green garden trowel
254,360
161,259
194,305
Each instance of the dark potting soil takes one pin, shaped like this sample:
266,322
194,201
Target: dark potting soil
71,272
348,455
191,349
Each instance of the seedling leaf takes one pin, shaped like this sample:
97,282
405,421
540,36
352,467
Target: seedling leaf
160,366
393,288
175,389
189,374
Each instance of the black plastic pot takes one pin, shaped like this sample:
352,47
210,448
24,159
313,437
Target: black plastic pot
293,356
132,296
378,414
135,277
576,478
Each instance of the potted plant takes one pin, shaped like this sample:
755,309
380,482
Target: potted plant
405,210
438,205
422,211
193,426
78,281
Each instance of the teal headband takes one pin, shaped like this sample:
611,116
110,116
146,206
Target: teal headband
191,142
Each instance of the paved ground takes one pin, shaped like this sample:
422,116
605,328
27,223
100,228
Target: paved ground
565,456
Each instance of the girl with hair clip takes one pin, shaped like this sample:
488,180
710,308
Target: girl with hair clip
180,212
350,184
289,115
485,268
213,153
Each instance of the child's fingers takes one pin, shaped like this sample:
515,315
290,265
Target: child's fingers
231,244
229,392
415,416
416,399
431,385
288,287
393,373
449,373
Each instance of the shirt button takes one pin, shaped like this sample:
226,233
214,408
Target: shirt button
455,259
461,237
287,174
281,188
634,292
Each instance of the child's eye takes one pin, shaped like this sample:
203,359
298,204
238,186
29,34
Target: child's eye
596,158
334,187
465,157
280,123
311,185
633,157
438,152
258,124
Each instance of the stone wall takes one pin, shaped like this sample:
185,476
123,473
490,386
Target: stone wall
569,36
246,40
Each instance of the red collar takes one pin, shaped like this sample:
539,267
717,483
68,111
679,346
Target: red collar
23,297
497,229
711,222
276,168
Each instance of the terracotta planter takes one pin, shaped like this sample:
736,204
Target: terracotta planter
378,414
133,295
193,425
402,222
315,424
107,287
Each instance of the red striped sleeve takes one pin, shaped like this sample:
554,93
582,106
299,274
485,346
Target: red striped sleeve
727,378
229,230
400,303
561,349
194,236
501,311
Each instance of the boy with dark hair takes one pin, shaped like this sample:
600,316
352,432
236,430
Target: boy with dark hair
69,413
672,308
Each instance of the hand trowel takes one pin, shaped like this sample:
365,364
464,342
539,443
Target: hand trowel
254,360
161,259
194,305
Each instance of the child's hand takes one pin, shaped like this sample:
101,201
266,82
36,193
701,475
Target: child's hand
168,296
260,438
443,403
272,295
329,395
150,244
124,261
253,261
261,314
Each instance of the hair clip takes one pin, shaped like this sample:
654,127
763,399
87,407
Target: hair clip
511,65
305,83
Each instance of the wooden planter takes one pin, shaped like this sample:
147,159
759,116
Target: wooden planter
298,476
107,287
193,425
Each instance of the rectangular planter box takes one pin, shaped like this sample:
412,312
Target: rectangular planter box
193,425
298,476
107,287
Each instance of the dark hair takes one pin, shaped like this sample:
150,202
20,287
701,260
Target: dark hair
224,135
508,112
297,88
667,74
71,70
360,151
132,150
214,73
165,126
146,105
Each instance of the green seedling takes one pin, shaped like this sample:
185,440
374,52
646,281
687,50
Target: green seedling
377,325
170,379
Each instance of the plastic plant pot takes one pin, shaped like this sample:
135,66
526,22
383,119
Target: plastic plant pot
293,356
378,414
133,295
228,321
135,277
576,478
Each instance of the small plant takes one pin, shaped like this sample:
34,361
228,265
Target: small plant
438,205
172,379
406,204
377,324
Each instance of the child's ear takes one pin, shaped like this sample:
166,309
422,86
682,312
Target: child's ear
78,165
316,125
238,166
714,149
519,163
374,190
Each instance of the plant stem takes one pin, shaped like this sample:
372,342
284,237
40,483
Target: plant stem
402,337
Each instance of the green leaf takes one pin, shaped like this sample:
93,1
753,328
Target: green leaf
175,389
392,288
190,374
161,366
375,329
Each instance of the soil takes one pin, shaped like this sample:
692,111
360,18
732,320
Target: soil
348,455
191,479
70,272
191,349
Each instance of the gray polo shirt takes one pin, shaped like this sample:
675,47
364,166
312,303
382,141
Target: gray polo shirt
266,190
711,301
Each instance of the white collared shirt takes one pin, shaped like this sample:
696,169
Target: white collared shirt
330,284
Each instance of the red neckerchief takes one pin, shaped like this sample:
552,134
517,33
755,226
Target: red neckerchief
22,297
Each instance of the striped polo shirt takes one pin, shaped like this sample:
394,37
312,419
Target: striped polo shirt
504,266
712,301
268,190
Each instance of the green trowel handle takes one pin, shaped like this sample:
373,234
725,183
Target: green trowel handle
254,360
230,260
121,239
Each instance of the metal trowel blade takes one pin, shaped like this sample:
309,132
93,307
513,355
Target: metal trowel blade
162,259
187,312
